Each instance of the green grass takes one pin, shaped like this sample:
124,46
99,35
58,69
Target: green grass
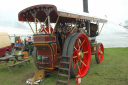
112,71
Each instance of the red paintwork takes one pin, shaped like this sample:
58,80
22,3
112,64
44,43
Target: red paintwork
2,50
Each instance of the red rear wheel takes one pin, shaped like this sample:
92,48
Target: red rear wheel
100,53
79,49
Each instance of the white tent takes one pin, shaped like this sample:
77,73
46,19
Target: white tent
113,35
14,32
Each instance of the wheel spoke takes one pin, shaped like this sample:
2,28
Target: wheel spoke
75,48
99,48
79,69
100,53
80,63
75,63
83,62
99,57
81,49
85,52
74,56
82,43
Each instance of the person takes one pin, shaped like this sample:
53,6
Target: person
13,44
17,45
19,40
14,48
46,30
21,45
29,39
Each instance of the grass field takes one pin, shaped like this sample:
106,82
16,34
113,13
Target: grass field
112,71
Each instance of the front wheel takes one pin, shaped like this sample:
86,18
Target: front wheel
99,56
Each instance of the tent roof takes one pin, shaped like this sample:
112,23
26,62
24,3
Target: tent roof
113,35
11,30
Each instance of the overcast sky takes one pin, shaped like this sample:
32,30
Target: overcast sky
115,10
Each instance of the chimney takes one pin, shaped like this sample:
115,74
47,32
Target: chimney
85,6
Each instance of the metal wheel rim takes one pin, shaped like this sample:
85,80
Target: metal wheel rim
81,55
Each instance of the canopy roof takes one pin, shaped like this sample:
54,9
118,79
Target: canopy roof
42,11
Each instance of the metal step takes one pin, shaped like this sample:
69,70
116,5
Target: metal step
65,62
64,69
67,69
62,75
62,81
66,56
57,66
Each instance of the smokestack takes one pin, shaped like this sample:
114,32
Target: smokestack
85,6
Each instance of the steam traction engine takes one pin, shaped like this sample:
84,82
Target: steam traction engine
72,40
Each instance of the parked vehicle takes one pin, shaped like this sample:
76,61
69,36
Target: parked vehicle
73,37
5,44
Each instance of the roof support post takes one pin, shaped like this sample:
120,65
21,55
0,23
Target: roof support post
101,28
35,25
76,23
49,24
55,24
89,27
30,26
98,27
